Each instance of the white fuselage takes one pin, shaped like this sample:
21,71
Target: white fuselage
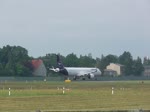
81,71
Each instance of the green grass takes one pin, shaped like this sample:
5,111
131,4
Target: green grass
91,96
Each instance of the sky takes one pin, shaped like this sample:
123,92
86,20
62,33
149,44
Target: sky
76,26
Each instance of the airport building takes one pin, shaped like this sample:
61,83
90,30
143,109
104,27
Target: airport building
114,69
39,68
109,72
146,71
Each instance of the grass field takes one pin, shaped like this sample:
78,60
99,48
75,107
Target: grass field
81,96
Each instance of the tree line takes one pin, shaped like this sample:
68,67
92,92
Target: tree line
15,61
131,66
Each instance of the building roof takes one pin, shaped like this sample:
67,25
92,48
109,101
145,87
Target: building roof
36,63
109,70
117,64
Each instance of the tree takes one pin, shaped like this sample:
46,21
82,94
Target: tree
49,60
105,61
10,58
71,60
126,60
90,55
137,67
146,61
98,64
86,61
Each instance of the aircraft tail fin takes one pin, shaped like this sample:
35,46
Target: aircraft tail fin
58,58
59,63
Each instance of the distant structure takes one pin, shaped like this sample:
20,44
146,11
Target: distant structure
114,69
109,72
147,57
146,60
146,71
39,68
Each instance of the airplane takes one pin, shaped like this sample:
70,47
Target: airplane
77,72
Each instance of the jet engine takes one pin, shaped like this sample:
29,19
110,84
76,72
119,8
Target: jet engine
90,76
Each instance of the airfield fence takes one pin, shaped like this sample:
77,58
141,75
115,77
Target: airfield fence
122,78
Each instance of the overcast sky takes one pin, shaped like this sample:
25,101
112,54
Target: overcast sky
76,26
